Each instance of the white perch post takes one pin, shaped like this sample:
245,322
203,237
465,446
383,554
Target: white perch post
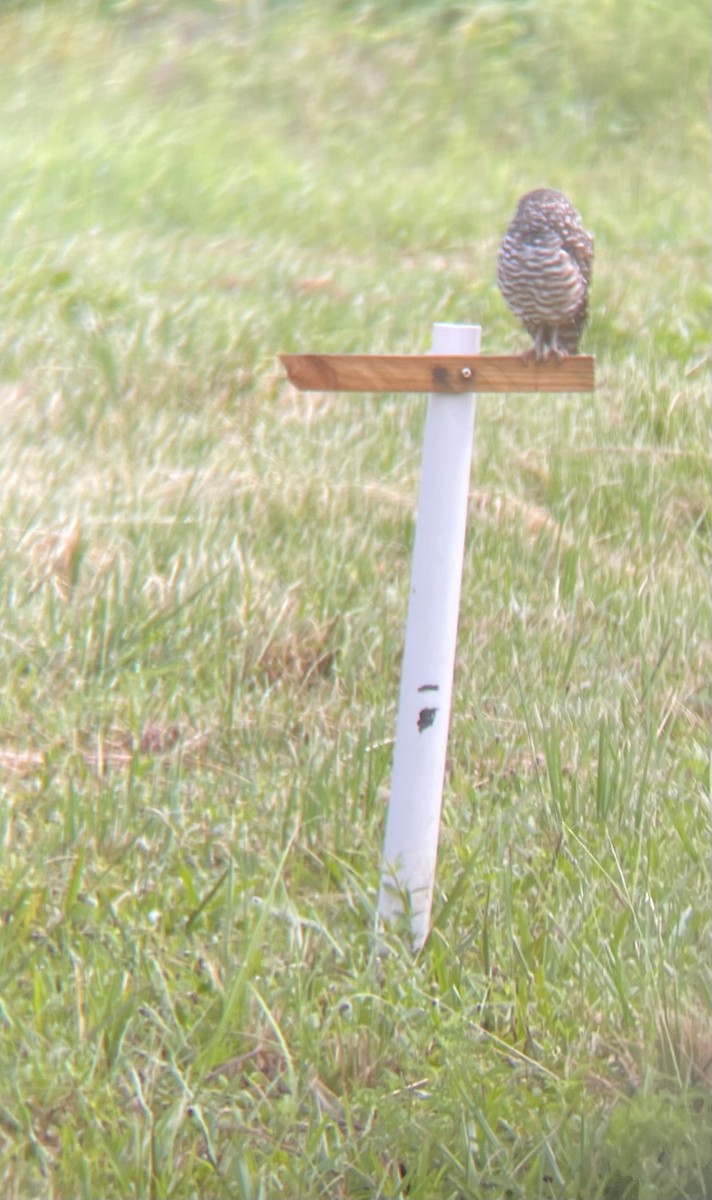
413,823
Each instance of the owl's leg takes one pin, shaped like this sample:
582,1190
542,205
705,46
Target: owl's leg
545,347
541,344
555,350
537,352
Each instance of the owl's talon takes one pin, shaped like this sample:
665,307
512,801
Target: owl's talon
545,354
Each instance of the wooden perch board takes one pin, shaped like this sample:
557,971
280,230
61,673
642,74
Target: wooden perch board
448,373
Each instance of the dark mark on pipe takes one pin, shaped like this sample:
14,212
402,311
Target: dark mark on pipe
426,718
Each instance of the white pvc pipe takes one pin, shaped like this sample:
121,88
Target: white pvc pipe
413,822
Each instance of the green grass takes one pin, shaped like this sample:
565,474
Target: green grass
203,588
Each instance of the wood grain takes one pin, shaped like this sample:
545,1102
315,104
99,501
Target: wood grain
437,373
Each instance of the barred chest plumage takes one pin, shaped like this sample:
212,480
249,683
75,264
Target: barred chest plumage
544,270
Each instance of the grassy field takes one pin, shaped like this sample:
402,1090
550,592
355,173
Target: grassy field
203,587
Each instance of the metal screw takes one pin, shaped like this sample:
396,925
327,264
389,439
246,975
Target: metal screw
466,372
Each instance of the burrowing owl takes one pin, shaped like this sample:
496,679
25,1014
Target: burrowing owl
544,271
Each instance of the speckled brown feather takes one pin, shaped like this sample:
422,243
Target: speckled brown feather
544,270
